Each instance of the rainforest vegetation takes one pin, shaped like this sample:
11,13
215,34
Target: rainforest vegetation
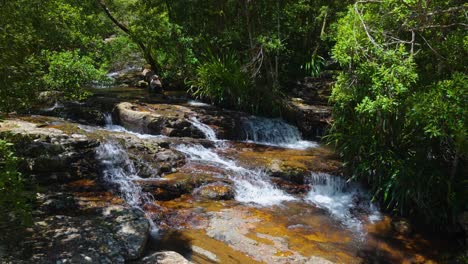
400,98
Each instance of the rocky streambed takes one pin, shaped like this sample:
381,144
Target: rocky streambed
132,178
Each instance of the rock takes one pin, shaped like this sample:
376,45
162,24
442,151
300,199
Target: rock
160,119
402,226
307,107
155,84
58,204
50,155
48,99
130,228
142,84
215,191
311,119
117,235
164,257
288,164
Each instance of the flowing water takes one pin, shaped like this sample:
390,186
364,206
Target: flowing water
267,221
120,173
347,202
209,133
274,132
252,186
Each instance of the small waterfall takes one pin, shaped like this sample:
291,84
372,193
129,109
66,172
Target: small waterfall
205,129
110,126
274,132
57,105
346,202
252,186
119,172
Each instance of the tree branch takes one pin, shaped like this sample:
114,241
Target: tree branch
146,52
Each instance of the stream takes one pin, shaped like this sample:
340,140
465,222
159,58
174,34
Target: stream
263,195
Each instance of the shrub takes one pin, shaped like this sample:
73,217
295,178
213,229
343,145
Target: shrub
14,200
224,81
70,71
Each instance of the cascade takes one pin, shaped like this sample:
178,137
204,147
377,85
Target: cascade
346,202
120,173
252,186
274,132
209,133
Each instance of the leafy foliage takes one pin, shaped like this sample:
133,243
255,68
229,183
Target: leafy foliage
70,72
14,201
400,105
226,82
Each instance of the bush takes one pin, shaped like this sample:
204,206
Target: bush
400,119
225,82
14,200
69,72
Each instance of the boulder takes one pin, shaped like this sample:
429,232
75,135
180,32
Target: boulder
117,235
159,119
215,191
51,155
311,119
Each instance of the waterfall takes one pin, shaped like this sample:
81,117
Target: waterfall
252,186
120,173
346,202
205,129
274,132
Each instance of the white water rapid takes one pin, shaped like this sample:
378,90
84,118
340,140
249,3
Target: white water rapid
346,202
252,186
274,132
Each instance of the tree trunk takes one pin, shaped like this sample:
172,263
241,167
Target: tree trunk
146,52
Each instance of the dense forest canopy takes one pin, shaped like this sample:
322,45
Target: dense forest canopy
400,99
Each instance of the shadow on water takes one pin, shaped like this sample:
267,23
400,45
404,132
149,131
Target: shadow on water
170,240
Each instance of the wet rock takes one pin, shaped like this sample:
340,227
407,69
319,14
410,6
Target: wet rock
288,164
227,124
215,191
152,159
233,228
402,226
164,257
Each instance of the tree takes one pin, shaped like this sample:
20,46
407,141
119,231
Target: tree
400,104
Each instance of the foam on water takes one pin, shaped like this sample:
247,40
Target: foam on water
274,132
346,202
252,186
